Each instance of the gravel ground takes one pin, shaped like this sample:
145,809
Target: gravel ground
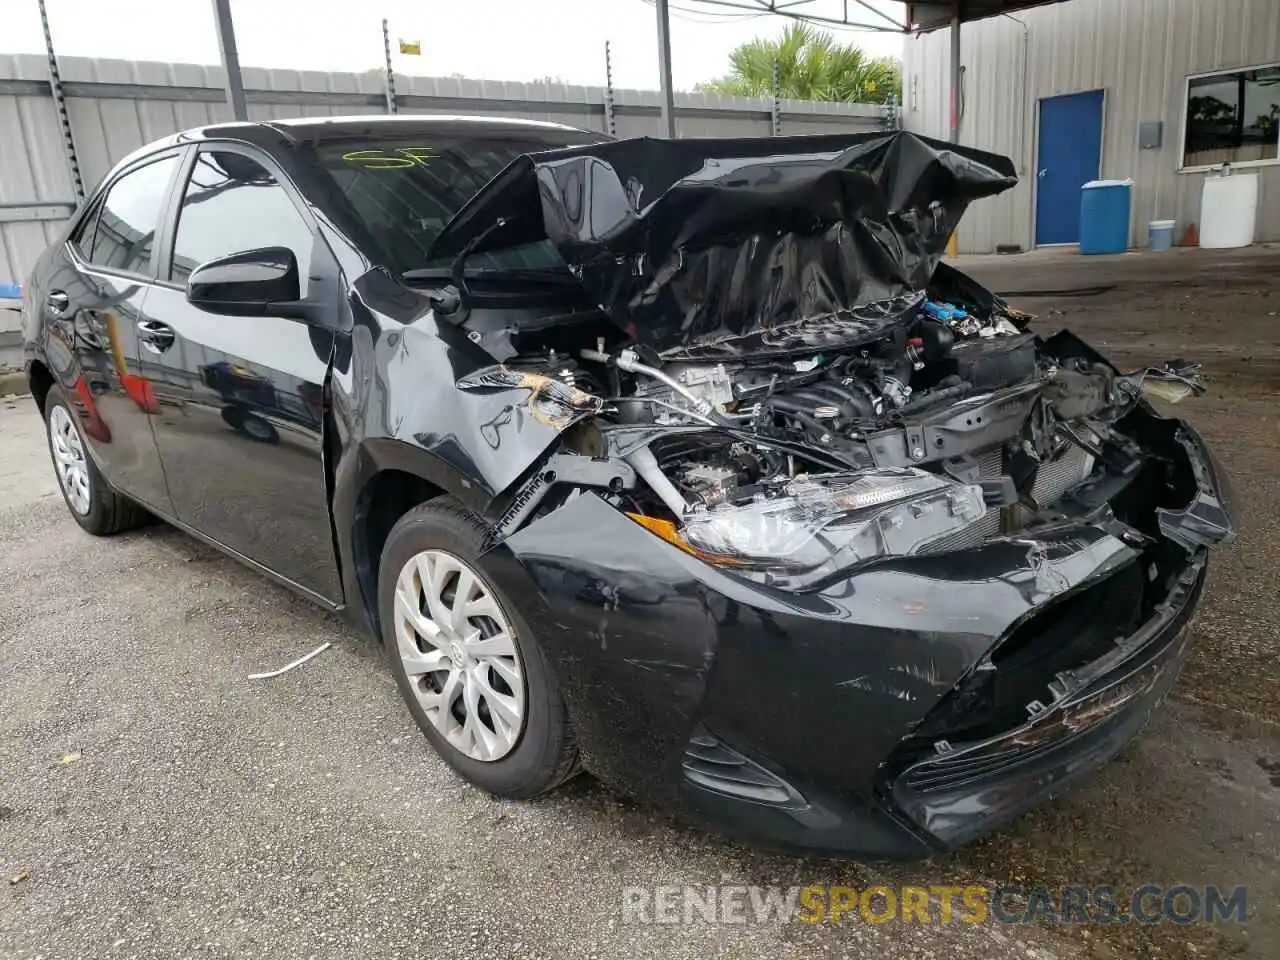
202,814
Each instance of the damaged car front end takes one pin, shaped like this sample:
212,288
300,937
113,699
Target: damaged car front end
825,546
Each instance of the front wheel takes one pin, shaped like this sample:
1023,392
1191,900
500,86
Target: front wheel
466,663
93,504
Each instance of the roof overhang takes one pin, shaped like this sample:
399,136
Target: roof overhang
926,15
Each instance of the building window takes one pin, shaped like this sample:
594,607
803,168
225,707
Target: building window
1233,117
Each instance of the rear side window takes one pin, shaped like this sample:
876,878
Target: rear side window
232,204
123,232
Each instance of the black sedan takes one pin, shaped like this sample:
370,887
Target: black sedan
687,463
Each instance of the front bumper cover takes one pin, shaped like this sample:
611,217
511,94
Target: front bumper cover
965,791
795,719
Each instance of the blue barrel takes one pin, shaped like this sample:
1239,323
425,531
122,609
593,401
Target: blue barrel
1104,216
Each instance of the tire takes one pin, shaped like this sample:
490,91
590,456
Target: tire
255,428
421,553
250,424
232,417
98,508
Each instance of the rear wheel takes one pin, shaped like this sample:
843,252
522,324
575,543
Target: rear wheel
93,504
466,663
250,424
258,429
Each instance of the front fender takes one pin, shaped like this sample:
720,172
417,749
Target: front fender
395,404
404,383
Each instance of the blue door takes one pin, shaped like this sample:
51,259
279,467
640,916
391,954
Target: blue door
1070,150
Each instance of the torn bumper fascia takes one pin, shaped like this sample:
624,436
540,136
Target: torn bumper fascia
659,654
649,642
1207,520
959,794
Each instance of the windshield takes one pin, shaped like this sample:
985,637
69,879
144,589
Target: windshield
403,191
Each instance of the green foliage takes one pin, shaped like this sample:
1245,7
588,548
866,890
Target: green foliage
811,66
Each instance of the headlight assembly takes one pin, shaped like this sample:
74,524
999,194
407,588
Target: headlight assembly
817,524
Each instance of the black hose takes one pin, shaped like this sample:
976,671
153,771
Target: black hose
936,395
797,411
812,398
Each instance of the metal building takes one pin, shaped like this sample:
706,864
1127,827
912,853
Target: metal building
1159,91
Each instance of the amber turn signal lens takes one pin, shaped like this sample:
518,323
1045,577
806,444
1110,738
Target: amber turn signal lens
667,531
663,528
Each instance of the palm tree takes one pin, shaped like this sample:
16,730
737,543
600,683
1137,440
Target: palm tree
811,66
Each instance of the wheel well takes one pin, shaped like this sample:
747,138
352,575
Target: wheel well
41,380
384,500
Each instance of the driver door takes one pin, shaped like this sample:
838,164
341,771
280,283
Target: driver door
240,424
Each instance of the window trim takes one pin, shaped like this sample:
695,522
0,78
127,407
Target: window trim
93,209
1182,166
179,189
89,218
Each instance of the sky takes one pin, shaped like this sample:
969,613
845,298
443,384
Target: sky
481,39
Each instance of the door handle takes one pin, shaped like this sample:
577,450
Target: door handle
1041,174
57,303
156,337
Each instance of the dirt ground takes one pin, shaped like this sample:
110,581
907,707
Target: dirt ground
1198,797
209,815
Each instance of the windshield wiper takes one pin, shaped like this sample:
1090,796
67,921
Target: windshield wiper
453,303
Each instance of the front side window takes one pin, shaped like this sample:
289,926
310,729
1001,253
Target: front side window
121,235
232,203
403,191
1233,118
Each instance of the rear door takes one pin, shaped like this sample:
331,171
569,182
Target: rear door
94,293
242,398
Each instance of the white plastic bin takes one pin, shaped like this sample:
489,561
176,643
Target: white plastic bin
1160,235
1228,209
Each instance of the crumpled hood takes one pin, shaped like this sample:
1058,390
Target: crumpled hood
687,243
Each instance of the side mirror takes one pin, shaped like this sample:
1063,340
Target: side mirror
249,283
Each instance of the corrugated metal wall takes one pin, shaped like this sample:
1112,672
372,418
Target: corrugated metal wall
1139,51
118,105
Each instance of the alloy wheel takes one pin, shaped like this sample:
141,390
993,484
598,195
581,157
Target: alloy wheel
69,460
459,653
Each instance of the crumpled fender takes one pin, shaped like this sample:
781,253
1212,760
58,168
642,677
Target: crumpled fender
430,388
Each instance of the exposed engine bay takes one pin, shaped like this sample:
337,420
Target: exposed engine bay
769,366
830,446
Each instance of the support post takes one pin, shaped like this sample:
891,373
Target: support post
664,70
610,118
775,108
60,104
389,88
230,59
953,246
955,75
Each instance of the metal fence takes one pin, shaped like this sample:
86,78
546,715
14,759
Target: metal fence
114,106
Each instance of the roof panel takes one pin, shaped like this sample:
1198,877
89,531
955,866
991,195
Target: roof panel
926,15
